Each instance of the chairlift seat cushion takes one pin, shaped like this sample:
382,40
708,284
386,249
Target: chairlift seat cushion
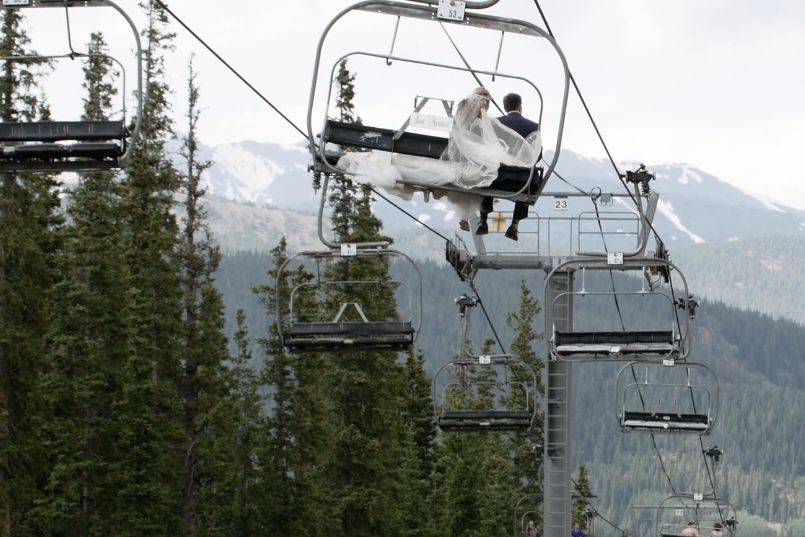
510,179
608,343
49,151
350,329
486,414
497,420
666,421
324,336
59,131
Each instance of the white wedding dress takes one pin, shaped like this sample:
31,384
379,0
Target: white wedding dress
478,145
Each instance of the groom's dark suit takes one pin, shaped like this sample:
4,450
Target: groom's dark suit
524,127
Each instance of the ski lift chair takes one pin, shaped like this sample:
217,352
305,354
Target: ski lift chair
705,511
60,146
530,504
516,184
620,345
670,397
350,327
458,405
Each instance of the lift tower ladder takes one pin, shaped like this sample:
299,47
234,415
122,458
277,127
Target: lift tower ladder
558,505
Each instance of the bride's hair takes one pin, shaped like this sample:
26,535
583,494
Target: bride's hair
473,107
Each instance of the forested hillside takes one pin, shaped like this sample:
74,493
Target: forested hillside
762,275
758,360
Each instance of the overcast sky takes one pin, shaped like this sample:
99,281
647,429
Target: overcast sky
716,83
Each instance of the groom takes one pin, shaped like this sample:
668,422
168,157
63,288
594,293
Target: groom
513,104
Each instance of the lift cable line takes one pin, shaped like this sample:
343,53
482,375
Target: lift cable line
488,318
597,513
656,234
274,107
583,100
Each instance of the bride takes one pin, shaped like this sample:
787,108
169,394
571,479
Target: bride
478,145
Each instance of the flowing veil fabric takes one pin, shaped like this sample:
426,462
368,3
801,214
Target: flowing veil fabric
478,145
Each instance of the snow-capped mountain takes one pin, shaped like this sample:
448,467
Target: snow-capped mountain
695,207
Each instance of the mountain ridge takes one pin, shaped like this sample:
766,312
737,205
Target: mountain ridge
695,206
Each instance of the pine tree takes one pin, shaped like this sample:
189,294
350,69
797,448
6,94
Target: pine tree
86,335
367,388
28,240
232,505
278,375
296,480
524,446
343,195
415,482
203,351
584,494
148,470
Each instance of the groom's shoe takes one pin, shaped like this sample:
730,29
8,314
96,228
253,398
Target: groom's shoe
483,228
511,233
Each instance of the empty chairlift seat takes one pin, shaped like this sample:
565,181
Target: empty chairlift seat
308,326
670,397
614,344
74,146
485,393
61,145
510,181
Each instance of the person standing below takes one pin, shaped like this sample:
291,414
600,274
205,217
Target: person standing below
691,530
717,530
577,531
513,105
532,530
